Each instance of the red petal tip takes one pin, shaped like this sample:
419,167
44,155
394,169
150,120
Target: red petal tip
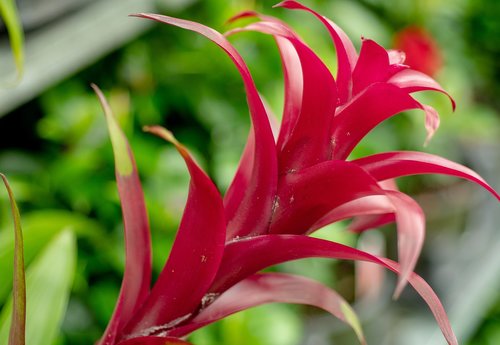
399,289
280,4
241,15
140,15
290,4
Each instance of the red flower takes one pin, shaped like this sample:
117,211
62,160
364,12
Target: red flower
421,50
284,189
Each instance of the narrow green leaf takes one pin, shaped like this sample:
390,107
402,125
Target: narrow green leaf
9,14
48,281
39,228
18,322
352,320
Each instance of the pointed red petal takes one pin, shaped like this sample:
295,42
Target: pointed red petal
368,205
137,275
431,122
308,195
308,140
294,88
409,217
432,300
266,288
192,264
255,205
242,179
375,213
292,71
240,183
346,53
414,81
375,104
362,223
410,221
154,341
372,66
387,165
370,212
245,257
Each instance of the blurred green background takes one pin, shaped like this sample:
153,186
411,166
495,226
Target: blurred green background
55,150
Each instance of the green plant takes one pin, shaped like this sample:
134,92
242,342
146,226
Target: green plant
8,12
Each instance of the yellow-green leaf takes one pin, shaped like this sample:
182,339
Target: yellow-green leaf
9,14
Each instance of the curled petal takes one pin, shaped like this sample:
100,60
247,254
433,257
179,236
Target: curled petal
388,165
244,257
293,98
294,89
410,221
308,141
137,275
375,211
241,181
243,176
185,278
363,223
293,74
365,206
432,300
389,184
346,53
374,219
254,207
431,122
414,81
375,104
266,288
409,218
308,195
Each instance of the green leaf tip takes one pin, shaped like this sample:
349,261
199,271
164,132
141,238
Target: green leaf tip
10,16
18,326
123,160
352,319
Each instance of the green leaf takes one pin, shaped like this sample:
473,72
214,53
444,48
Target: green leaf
8,12
18,321
48,281
39,229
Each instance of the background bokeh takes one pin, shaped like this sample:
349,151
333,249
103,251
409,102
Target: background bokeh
55,150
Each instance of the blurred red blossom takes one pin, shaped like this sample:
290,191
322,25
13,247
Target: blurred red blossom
421,49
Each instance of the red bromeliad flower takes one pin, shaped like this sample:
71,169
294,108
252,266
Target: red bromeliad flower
422,51
285,188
